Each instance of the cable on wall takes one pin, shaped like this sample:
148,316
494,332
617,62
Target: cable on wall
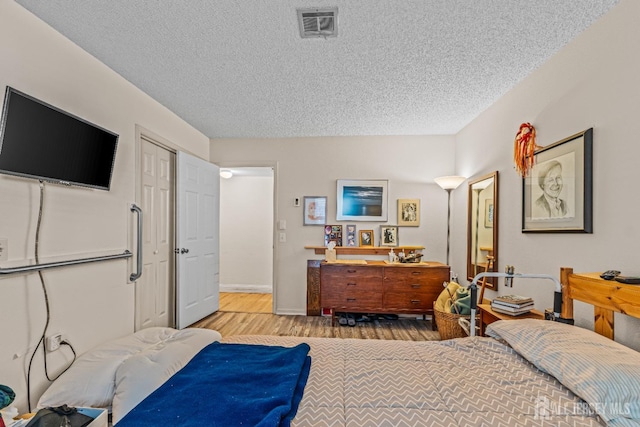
48,311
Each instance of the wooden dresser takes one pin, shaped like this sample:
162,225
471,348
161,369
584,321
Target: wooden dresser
379,287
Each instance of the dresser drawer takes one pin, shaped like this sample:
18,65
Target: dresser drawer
364,300
415,279
330,273
405,301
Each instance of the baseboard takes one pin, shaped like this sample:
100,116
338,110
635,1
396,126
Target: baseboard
253,289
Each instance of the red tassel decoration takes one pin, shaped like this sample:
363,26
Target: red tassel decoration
524,149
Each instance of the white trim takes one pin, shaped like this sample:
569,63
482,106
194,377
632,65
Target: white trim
255,289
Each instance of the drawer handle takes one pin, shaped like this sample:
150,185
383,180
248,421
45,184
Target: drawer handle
351,299
415,301
417,273
351,271
351,284
415,286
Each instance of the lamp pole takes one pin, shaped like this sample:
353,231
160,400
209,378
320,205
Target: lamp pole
449,183
448,220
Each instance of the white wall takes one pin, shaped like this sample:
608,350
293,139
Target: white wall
592,82
311,166
94,302
246,234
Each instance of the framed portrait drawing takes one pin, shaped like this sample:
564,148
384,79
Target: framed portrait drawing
351,235
333,233
388,235
366,237
409,212
315,210
488,213
362,200
557,193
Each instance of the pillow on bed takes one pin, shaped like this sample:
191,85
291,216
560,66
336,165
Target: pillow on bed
145,371
90,381
602,372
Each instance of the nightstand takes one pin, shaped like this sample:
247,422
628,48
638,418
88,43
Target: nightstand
488,316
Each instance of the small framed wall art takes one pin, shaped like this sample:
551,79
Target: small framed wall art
488,213
315,210
351,235
409,212
333,233
366,237
388,235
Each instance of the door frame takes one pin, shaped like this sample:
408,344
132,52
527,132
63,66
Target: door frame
276,248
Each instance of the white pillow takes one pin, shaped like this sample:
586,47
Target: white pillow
91,380
143,372
602,372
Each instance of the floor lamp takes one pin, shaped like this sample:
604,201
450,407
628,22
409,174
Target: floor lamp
449,183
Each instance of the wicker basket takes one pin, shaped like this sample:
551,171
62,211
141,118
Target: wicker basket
448,325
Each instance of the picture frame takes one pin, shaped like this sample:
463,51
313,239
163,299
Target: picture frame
409,212
557,193
351,235
333,233
388,235
488,213
366,238
315,210
362,200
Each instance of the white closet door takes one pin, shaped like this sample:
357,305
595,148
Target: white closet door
197,239
155,301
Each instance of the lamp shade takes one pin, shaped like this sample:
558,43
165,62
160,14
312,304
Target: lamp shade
449,182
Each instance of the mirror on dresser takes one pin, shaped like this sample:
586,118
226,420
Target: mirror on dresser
482,227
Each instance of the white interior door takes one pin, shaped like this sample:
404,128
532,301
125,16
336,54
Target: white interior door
155,301
197,239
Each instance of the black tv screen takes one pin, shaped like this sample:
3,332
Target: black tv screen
40,141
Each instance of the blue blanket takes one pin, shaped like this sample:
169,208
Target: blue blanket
229,385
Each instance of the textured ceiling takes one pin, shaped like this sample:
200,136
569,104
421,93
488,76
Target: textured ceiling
239,69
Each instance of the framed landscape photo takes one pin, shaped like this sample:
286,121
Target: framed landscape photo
315,210
388,235
362,200
409,212
557,193
366,237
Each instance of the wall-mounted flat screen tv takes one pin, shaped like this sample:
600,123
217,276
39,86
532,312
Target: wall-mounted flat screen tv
40,141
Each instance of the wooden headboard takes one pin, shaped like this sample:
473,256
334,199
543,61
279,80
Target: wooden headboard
606,296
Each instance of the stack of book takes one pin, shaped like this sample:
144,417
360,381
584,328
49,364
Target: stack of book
514,305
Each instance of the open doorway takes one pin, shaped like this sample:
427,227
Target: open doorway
246,239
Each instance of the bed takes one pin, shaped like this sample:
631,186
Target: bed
528,372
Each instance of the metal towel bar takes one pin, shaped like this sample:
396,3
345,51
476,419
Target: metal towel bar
36,267
125,254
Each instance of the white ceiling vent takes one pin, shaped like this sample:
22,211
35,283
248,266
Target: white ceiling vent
318,22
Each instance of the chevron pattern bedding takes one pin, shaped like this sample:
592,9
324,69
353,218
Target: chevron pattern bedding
465,382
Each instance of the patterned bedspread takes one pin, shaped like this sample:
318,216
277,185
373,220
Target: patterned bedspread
467,382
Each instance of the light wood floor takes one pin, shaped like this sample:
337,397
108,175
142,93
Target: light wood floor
230,322
246,302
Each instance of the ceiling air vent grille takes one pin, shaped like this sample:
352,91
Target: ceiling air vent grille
318,22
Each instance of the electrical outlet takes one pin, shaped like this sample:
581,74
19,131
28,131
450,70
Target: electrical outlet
4,249
52,342
282,238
